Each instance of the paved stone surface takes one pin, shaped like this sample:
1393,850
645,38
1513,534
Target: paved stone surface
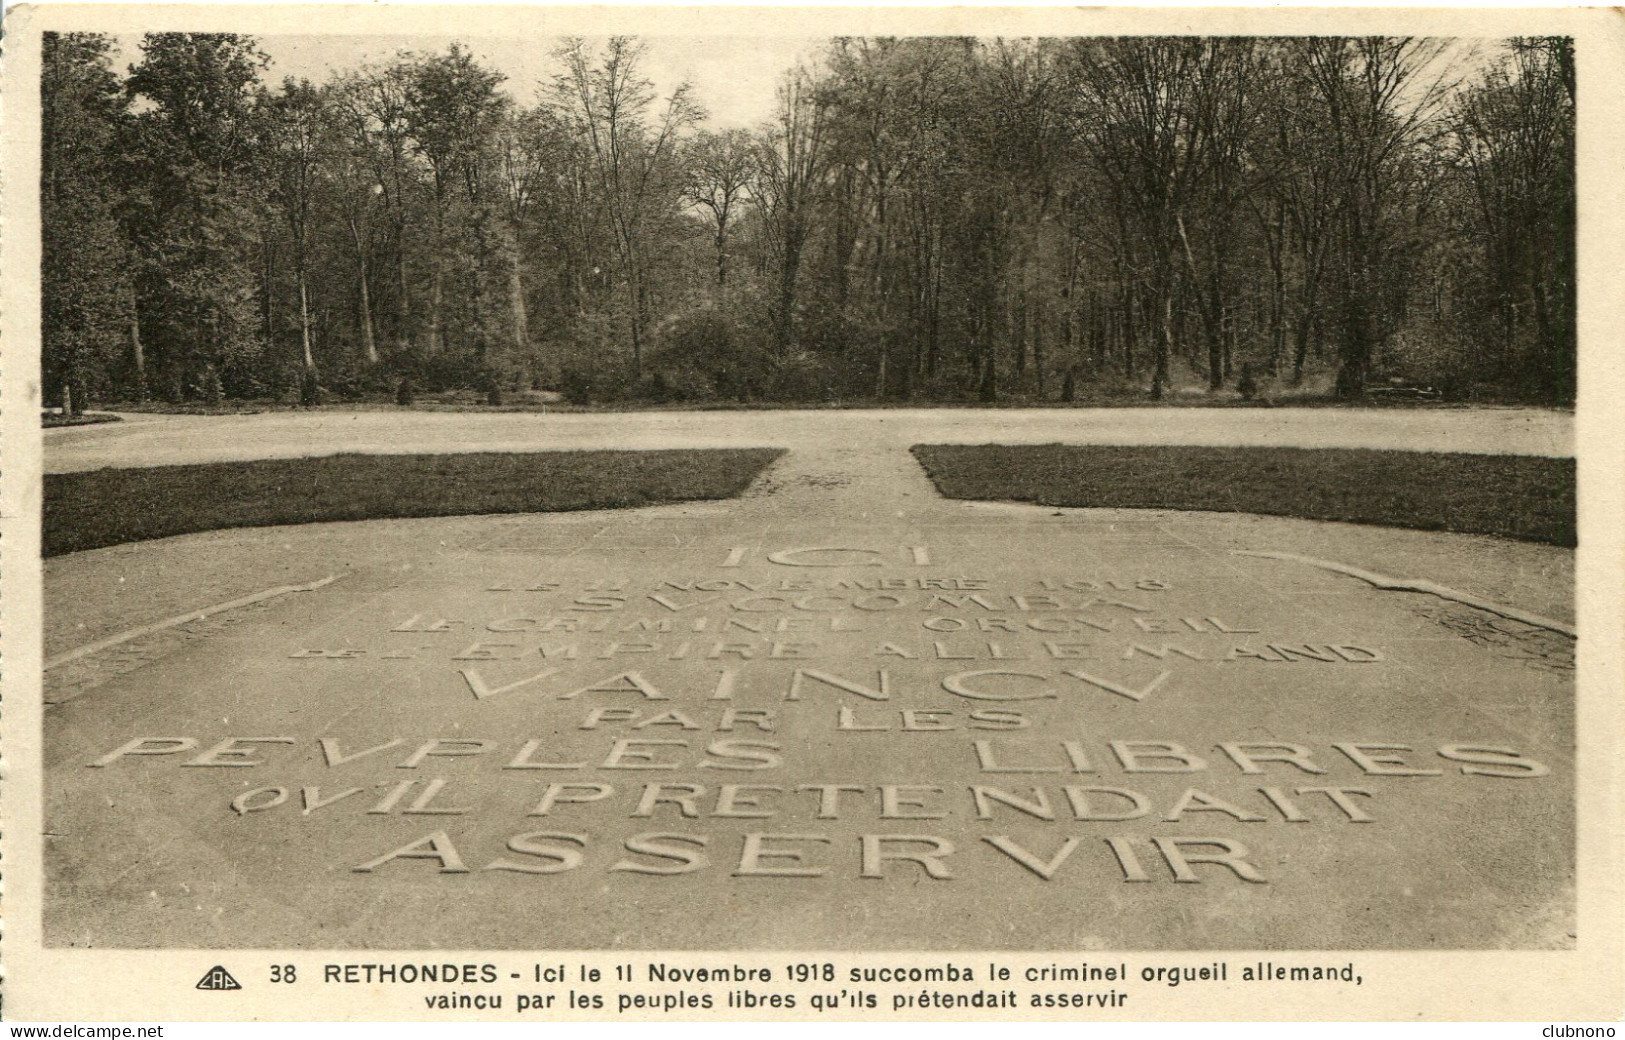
155,440
894,720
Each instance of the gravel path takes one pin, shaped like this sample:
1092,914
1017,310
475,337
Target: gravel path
157,440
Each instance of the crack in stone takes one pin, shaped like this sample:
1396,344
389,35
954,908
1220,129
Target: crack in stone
1537,648
184,619
1431,588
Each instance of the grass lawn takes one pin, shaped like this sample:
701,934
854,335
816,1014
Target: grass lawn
1527,498
110,506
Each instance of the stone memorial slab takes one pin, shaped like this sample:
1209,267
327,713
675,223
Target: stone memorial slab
842,714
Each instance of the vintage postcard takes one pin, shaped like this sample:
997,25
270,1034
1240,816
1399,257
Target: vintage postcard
548,514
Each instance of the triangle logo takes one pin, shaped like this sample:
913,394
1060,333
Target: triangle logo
218,977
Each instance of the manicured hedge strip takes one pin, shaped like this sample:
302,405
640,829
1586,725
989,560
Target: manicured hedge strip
110,506
1527,498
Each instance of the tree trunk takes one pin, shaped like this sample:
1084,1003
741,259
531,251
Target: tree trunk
1206,305
989,389
1129,327
1215,355
788,275
1277,293
1068,318
1016,331
1300,350
1038,346
846,238
1277,316
138,358
436,299
934,314
304,323
1163,348
1356,353
484,349
267,326
521,318
1307,322
403,318
437,288
637,322
1101,334
368,342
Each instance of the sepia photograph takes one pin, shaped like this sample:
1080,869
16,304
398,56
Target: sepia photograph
1052,488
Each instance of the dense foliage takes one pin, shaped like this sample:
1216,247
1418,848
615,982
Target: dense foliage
931,219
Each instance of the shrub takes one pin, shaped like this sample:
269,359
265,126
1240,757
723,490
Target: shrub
348,382
703,353
1248,383
209,389
310,389
800,377
576,385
